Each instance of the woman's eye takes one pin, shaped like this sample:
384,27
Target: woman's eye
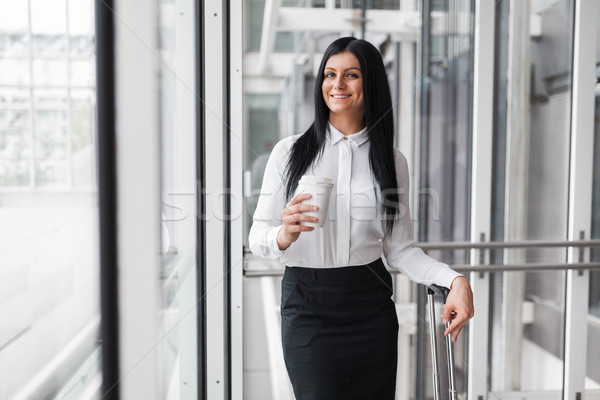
330,75
352,75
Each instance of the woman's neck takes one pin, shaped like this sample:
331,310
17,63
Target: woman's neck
347,126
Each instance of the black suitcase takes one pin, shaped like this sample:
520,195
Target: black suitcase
431,290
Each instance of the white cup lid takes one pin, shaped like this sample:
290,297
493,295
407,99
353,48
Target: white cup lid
309,179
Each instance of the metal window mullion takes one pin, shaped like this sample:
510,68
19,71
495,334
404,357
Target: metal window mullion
237,228
580,196
407,87
215,142
31,105
200,171
414,149
184,181
481,193
105,141
421,160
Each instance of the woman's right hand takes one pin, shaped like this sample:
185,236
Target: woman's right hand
292,216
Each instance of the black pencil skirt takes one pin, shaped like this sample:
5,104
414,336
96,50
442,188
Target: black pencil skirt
339,332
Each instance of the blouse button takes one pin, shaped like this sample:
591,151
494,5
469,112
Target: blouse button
345,137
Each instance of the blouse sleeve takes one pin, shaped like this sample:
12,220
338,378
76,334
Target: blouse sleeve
399,247
267,217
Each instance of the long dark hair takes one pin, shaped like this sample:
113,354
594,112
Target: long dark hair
379,122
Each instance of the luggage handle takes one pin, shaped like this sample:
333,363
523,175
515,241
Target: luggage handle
443,291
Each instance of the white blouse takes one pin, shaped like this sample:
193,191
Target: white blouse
354,232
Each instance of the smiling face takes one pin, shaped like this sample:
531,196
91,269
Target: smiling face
343,87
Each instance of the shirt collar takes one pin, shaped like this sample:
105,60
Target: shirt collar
359,138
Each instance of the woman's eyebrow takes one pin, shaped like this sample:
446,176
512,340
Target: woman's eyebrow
347,69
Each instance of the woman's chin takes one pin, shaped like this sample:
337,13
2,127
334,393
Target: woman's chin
343,110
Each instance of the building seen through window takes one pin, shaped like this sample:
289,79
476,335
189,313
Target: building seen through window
49,255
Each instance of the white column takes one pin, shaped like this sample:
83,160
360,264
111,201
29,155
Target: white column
580,194
516,189
185,193
214,186
138,199
483,101
408,87
237,199
407,100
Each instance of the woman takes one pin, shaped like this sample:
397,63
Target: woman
339,326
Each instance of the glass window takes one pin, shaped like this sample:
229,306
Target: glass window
446,134
595,253
14,72
14,16
49,271
530,191
261,110
178,314
48,122
14,44
82,72
81,46
80,19
593,345
42,23
253,18
548,156
49,45
15,138
445,151
499,126
50,72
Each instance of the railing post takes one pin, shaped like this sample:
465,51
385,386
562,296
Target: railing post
478,328
483,253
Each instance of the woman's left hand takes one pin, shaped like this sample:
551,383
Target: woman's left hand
459,302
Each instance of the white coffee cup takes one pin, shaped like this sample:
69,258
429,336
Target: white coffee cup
320,191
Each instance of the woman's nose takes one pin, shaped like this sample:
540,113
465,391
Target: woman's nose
339,83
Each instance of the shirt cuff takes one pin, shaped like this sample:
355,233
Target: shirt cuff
272,240
446,276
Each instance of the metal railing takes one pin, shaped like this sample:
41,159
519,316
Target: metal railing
51,379
486,246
